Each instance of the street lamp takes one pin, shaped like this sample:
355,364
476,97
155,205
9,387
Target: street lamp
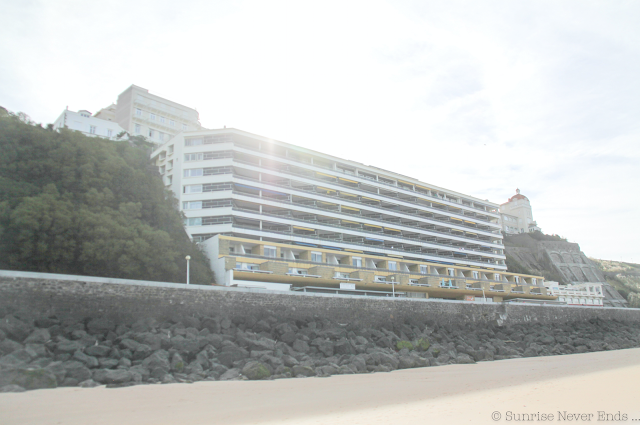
188,257
393,286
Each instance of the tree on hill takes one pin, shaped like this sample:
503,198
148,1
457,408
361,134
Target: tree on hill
84,205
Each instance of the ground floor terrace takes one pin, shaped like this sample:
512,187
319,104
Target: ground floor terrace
246,262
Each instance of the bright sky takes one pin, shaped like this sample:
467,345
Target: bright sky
480,97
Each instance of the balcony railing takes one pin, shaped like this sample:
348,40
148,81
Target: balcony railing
343,228
240,145
394,198
351,217
359,202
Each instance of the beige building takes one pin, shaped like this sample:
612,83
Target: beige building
141,113
516,215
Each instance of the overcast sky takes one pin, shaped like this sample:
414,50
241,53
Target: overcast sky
480,97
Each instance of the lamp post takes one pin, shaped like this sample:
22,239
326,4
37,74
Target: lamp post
188,257
393,286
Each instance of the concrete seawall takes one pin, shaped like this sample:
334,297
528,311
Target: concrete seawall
32,295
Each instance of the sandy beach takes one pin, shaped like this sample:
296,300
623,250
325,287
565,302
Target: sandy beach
584,384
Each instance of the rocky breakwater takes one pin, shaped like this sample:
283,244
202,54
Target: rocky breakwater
49,352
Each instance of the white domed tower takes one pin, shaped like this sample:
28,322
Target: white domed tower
517,216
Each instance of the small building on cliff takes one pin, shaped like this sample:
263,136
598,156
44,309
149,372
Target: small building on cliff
516,215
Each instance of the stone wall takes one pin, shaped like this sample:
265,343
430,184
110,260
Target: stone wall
76,298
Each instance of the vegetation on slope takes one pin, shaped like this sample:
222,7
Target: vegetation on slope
84,205
624,277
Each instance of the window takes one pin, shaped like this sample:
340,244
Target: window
169,179
424,269
193,157
342,275
193,188
193,142
150,133
270,251
380,279
194,221
170,149
192,205
316,257
139,112
476,275
496,276
170,165
162,169
356,262
172,123
152,117
533,281
193,172
161,120
516,279
184,127
450,272
393,265
92,129
161,136
137,128
109,133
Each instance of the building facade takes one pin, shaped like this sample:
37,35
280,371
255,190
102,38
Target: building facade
271,212
84,122
584,294
141,113
516,215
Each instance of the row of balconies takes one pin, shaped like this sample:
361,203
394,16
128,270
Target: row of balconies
335,196
337,168
369,276
369,243
362,228
412,199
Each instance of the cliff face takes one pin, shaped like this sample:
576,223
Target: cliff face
558,260
624,277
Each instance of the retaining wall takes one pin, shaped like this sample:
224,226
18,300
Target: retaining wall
32,295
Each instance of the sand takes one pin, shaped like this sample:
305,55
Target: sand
584,384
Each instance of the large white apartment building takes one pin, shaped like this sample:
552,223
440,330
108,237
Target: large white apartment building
270,211
158,119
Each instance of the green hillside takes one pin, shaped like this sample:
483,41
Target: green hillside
625,277
84,205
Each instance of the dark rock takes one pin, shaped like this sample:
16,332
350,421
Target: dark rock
230,375
255,371
89,361
159,359
76,370
100,325
228,355
46,322
38,336
301,346
15,328
15,359
464,358
27,378
112,376
12,389
302,371
98,350
68,347
107,363
8,346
